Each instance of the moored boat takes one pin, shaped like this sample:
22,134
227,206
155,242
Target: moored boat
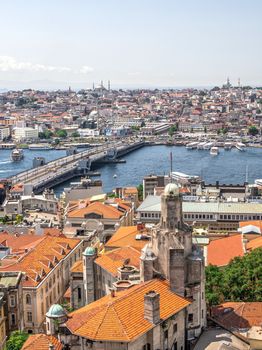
214,151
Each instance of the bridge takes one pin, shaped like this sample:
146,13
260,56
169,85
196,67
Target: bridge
68,167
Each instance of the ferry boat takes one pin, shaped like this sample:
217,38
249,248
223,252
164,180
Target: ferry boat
192,145
17,155
228,146
184,178
40,147
214,151
241,146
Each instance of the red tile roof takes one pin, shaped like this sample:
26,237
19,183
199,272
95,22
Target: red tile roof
221,251
238,315
41,342
114,259
121,318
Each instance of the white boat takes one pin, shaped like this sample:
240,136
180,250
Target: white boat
192,145
214,151
40,147
115,176
241,146
201,145
208,145
227,146
184,178
17,155
258,182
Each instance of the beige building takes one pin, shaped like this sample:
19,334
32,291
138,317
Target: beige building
46,269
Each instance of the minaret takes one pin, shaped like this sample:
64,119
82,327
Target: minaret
239,85
108,86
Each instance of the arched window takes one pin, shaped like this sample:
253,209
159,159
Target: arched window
28,299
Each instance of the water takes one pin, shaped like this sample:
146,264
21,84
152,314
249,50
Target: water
228,167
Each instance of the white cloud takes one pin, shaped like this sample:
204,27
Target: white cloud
133,74
8,63
86,69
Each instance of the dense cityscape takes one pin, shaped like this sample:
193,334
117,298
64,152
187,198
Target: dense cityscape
130,207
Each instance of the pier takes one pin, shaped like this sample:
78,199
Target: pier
68,167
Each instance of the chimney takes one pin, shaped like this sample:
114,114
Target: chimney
152,307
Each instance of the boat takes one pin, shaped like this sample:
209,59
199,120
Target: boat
240,146
227,146
201,145
17,155
214,151
208,145
184,178
115,176
192,145
40,147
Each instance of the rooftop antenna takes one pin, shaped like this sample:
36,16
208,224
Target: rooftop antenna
171,166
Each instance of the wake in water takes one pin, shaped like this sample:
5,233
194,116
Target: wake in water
5,161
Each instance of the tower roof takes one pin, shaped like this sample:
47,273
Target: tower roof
56,311
171,189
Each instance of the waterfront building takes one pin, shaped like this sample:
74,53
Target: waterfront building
25,133
216,216
4,132
151,182
18,203
46,269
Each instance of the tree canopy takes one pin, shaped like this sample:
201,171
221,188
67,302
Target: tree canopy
61,133
16,340
172,129
240,280
253,130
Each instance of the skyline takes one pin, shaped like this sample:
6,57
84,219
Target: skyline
138,44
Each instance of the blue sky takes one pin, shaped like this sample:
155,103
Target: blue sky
132,43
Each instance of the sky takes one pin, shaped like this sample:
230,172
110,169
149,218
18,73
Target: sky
138,43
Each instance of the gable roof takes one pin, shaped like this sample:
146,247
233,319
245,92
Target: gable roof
42,258
121,318
221,251
106,211
125,236
114,259
41,342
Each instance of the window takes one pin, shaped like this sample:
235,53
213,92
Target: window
175,328
28,299
12,300
29,316
13,322
147,347
174,346
79,293
190,317
202,313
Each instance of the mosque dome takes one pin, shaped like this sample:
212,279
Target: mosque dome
56,311
171,189
89,251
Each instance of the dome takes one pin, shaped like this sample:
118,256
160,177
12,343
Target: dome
89,251
171,189
56,311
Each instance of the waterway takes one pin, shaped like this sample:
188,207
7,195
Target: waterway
228,167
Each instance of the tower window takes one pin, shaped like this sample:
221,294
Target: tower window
190,317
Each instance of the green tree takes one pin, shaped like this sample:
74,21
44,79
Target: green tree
140,192
61,133
16,340
253,130
240,280
172,130
75,134
19,219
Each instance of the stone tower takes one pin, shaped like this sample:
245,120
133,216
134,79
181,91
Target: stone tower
55,316
89,256
172,255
